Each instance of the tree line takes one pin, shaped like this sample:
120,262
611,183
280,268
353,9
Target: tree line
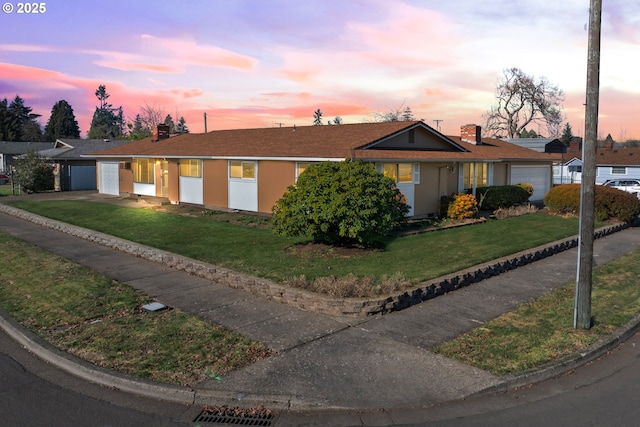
19,123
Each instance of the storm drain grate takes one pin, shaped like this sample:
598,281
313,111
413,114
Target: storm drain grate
236,416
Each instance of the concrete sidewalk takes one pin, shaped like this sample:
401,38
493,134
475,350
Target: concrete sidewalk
333,362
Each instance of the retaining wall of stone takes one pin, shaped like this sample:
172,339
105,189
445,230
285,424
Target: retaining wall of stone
308,300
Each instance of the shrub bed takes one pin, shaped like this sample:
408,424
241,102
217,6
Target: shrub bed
610,203
503,196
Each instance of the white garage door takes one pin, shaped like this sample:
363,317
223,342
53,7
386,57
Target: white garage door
538,176
109,178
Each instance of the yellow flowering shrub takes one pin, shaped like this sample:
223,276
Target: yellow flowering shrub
462,206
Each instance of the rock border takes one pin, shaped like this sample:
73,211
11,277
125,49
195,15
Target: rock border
305,300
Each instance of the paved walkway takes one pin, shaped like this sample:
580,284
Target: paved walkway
334,362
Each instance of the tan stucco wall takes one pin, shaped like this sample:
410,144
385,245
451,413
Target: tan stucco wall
126,177
500,174
274,177
436,181
215,183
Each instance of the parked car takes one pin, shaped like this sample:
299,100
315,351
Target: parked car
4,179
629,185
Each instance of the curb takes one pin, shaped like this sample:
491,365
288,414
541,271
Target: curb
139,386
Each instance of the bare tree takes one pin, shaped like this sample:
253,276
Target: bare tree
524,100
395,115
151,116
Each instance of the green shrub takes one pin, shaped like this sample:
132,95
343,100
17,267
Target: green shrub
33,173
340,202
610,203
503,196
462,206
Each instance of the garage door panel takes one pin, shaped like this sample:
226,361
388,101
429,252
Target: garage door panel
538,176
109,178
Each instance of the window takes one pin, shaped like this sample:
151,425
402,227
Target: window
242,170
399,172
475,175
302,166
577,168
143,170
618,170
191,168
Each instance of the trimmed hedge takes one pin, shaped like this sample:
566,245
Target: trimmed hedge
610,203
502,196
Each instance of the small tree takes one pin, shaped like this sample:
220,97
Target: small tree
33,173
340,202
317,117
567,134
181,127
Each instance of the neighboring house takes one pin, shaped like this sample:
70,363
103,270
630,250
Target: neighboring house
541,145
74,169
250,169
563,171
10,150
611,163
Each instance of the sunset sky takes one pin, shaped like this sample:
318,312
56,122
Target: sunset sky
262,63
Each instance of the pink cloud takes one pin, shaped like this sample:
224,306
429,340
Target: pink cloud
191,53
135,66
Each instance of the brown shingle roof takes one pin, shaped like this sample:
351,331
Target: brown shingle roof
337,141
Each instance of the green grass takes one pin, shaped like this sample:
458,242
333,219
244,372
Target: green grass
100,320
542,330
5,190
258,251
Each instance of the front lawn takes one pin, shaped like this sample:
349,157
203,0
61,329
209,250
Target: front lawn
257,251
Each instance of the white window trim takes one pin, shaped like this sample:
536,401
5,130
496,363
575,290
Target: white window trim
255,171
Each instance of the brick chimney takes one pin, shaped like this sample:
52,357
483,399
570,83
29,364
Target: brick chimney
471,134
160,132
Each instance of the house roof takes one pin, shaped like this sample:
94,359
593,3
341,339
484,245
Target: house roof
16,148
615,156
67,149
363,140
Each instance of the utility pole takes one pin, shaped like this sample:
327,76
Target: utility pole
582,312
205,122
438,124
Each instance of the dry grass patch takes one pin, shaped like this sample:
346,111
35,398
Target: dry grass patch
101,320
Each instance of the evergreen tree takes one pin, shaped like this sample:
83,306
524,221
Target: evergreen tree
567,134
169,122
8,131
407,115
137,130
317,117
23,125
107,122
181,127
62,122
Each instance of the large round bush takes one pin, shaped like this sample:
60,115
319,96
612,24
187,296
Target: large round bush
610,203
340,202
